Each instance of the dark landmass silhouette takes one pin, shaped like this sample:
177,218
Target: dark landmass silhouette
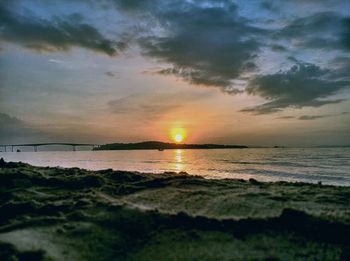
158,145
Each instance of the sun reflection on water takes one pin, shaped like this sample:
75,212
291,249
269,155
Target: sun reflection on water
179,166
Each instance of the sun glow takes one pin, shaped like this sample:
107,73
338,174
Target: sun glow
178,135
178,138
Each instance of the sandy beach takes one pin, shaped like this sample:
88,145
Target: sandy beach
74,214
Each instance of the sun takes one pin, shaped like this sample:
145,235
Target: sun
178,138
178,135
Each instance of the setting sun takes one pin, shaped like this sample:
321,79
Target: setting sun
178,135
179,138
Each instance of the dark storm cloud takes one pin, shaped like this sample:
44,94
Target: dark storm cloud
55,35
132,5
341,67
211,44
282,6
268,5
346,33
302,85
321,30
313,117
207,45
200,77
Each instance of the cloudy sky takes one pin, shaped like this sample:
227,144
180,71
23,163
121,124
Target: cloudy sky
226,71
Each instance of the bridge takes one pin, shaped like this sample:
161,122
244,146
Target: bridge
36,145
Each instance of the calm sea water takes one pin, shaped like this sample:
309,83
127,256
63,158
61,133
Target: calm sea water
328,165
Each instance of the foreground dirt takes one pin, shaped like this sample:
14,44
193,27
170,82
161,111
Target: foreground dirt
75,214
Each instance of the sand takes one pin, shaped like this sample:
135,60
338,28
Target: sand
75,214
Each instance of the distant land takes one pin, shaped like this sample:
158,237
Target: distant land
158,145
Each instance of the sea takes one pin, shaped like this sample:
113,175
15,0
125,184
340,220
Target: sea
327,165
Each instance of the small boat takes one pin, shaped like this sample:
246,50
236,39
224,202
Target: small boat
160,149
18,150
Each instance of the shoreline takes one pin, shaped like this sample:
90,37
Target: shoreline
58,213
156,168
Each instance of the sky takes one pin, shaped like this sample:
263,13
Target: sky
259,73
